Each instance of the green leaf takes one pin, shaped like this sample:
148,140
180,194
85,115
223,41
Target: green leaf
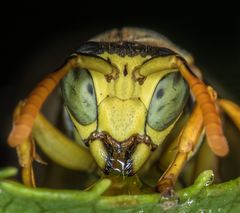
7,172
200,197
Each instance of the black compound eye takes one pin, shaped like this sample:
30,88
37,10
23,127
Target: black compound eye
168,101
79,95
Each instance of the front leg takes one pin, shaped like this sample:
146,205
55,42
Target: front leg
26,154
187,141
231,109
55,145
60,148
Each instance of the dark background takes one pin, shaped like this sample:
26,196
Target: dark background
37,37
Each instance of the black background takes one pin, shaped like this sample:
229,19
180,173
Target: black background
36,38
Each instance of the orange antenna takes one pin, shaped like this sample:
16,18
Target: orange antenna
22,126
211,119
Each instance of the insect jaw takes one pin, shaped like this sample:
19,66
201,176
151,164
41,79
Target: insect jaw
120,157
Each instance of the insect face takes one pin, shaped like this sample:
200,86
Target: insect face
124,91
122,120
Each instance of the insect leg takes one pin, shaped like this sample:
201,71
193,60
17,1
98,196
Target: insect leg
25,152
187,141
59,148
231,109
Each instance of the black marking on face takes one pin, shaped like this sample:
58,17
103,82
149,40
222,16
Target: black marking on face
125,72
90,89
130,49
160,93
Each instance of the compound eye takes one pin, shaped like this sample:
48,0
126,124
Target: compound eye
168,101
79,95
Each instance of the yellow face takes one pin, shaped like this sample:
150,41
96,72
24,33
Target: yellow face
121,118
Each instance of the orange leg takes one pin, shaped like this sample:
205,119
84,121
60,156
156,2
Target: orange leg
232,110
188,139
25,152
